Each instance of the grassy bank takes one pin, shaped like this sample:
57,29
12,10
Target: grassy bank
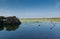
40,20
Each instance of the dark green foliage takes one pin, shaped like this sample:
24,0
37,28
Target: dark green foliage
9,27
9,20
10,23
2,17
1,27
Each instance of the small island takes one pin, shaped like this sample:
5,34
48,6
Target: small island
11,23
9,20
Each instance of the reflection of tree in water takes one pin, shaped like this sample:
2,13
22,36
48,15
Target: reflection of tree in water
9,27
10,23
53,25
1,27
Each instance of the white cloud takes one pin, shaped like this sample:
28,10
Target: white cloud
29,14
57,3
4,12
8,12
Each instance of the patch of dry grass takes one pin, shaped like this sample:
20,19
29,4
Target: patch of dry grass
39,19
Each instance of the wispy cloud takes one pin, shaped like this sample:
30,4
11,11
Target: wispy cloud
4,12
47,10
57,3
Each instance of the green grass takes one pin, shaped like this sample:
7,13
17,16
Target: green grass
40,19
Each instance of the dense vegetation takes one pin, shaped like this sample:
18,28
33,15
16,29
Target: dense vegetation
10,23
9,20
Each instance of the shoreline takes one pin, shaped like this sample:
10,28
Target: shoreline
39,19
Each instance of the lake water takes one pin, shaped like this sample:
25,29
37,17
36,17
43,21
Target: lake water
43,30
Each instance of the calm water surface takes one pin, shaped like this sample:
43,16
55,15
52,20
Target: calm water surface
44,30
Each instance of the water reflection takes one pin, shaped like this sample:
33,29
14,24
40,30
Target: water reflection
1,27
52,24
9,27
39,25
52,27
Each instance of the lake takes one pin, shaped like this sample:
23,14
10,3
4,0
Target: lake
44,30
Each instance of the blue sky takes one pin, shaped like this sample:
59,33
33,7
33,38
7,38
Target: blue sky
30,8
